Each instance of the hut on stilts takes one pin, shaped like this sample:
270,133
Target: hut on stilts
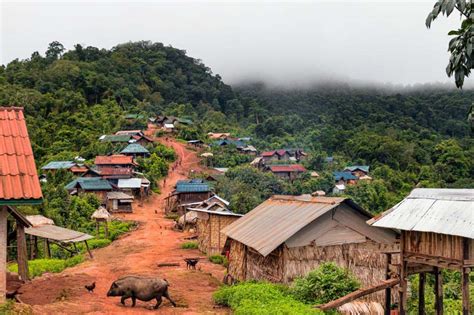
437,232
288,236
102,216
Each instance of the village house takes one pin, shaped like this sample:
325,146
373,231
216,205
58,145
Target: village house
135,150
73,167
196,143
116,160
286,237
186,192
97,186
138,187
287,172
122,138
112,172
141,139
437,232
282,155
212,216
358,170
117,201
136,132
19,186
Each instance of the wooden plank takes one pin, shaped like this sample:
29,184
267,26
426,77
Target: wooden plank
388,291
402,303
466,304
359,293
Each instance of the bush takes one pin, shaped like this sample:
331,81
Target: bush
117,228
189,245
261,298
39,266
324,284
218,259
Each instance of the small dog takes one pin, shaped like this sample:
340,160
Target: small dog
191,263
90,287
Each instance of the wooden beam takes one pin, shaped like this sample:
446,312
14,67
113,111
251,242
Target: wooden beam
3,253
22,258
359,293
438,287
402,303
466,304
421,294
88,250
388,291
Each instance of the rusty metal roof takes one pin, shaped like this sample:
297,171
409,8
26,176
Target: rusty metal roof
57,233
287,168
19,183
444,211
277,219
117,159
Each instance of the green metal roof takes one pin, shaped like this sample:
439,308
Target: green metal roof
135,148
134,116
190,186
116,138
89,183
55,165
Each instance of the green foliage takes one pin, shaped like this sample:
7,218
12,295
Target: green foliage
189,245
324,284
39,266
260,298
219,259
117,228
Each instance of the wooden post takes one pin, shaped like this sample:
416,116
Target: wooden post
466,304
438,291
22,258
402,303
47,249
97,228
3,253
88,250
35,246
421,294
106,228
388,291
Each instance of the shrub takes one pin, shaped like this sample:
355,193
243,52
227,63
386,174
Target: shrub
324,284
218,259
189,245
117,228
261,298
37,267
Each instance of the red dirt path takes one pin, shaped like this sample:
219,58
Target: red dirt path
137,253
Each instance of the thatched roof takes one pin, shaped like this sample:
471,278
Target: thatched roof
37,220
101,213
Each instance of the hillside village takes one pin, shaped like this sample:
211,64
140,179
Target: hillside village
139,161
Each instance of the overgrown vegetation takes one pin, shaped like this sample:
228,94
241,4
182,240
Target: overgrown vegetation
37,267
219,259
189,245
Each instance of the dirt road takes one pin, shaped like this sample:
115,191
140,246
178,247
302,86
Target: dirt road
137,253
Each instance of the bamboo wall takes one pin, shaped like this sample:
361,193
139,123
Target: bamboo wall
210,239
435,245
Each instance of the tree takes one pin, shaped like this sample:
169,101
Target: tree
55,49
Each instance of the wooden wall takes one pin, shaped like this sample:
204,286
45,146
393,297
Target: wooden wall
434,245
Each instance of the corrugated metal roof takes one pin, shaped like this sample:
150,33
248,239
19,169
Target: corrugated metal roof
344,176
57,233
444,211
364,168
55,165
129,183
118,195
277,219
135,148
108,171
129,132
19,183
116,138
89,183
117,159
194,185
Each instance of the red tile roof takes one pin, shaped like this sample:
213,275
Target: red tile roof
287,168
117,159
19,183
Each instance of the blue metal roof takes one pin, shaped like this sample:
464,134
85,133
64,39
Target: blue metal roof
193,185
344,176
55,165
135,148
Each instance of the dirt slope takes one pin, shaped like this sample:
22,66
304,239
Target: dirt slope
138,253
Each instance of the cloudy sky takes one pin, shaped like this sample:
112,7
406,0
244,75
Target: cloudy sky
283,42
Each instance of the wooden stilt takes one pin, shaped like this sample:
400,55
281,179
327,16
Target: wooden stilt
438,291
88,250
97,228
466,304
35,247
402,303
22,257
75,248
421,294
32,249
106,228
3,253
388,291
47,249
